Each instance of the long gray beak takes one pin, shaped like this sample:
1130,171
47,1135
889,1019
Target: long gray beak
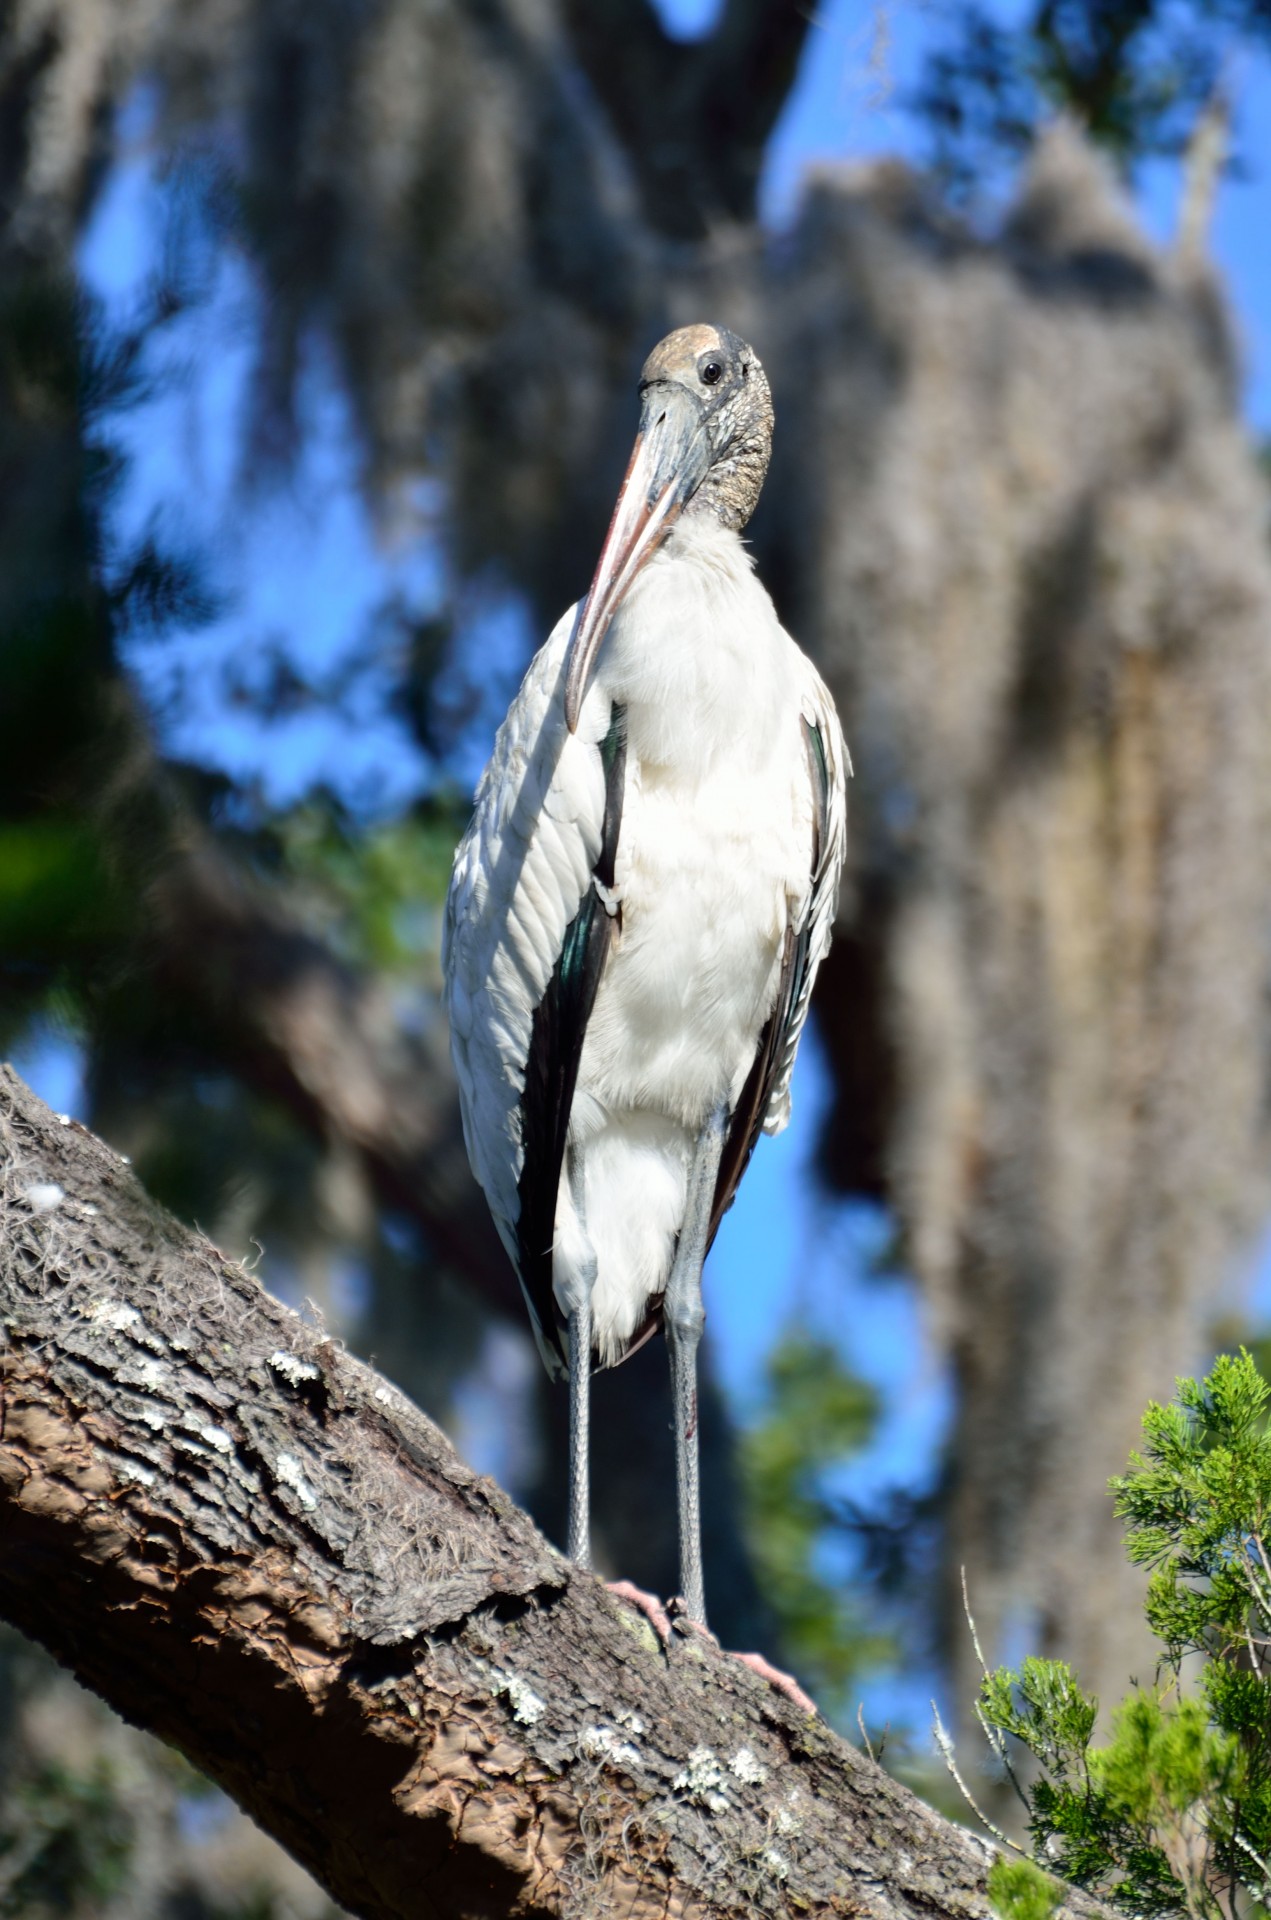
669,461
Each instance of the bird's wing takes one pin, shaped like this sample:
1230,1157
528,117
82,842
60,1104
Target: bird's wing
764,1104
526,934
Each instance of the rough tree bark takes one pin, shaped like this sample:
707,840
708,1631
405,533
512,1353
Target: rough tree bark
247,1541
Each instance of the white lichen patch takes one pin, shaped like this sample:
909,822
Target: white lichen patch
631,1721
776,1863
744,1767
43,1196
788,1821
155,1418
218,1438
114,1314
385,1397
521,1697
703,1780
150,1375
288,1474
602,1743
133,1470
292,1368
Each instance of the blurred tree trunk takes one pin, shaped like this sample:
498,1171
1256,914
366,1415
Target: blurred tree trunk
1013,515
1021,526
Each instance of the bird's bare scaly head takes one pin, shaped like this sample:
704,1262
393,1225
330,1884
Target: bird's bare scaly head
703,446
725,378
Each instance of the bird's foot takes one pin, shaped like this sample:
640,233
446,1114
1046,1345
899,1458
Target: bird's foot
674,1618
783,1682
683,1622
646,1603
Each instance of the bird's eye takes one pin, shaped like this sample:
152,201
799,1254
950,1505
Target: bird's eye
711,373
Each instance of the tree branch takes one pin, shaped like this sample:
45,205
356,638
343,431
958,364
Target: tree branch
248,1542
693,117
293,1022
270,1001
750,64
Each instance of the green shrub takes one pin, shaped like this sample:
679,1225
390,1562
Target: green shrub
1173,1814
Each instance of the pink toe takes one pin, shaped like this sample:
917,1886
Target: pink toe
783,1682
646,1603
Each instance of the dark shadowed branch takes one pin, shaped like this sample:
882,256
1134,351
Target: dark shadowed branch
297,1024
693,117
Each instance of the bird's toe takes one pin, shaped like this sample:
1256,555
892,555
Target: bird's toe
646,1603
783,1682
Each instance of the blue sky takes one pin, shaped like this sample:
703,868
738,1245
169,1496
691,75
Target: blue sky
864,56
303,566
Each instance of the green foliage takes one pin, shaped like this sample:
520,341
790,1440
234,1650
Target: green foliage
66,1846
377,890
1041,1706
1020,1891
1173,1814
817,1415
77,846
55,890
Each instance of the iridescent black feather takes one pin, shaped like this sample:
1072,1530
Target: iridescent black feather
556,1044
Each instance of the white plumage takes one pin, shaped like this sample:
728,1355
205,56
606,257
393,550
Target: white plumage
714,863
641,901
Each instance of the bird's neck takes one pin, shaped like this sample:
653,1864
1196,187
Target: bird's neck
695,653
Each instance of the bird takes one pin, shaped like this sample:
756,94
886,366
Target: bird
638,909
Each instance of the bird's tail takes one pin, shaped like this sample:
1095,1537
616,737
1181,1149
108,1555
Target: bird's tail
635,1169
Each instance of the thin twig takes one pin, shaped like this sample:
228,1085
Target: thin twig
994,1735
860,1721
1257,1859
970,1620
950,1760
1262,1599
1253,1653
882,1745
997,1742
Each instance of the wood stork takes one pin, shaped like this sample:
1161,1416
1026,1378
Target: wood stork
640,904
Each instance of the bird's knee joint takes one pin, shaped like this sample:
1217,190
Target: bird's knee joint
574,1294
684,1319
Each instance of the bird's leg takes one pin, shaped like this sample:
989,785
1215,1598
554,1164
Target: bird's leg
684,1317
578,1314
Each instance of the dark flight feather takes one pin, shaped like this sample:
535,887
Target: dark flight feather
556,1044
789,1011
